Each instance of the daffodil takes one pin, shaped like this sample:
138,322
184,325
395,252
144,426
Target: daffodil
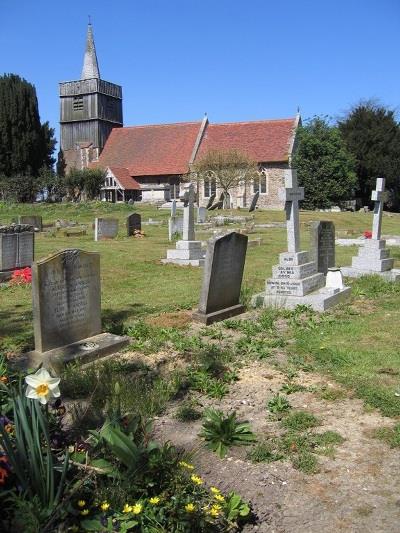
41,386
127,508
196,479
190,508
154,500
137,508
104,506
81,503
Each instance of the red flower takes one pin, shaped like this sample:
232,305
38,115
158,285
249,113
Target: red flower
368,234
21,276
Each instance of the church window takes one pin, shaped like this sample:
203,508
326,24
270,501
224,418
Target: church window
77,103
260,183
210,186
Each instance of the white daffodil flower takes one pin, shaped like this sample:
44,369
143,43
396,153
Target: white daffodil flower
41,386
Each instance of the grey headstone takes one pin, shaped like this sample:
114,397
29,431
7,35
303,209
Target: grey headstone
175,227
188,214
26,248
222,280
173,208
210,201
254,202
322,244
133,222
201,215
32,220
66,298
105,228
8,251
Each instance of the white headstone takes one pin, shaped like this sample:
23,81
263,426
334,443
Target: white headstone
377,196
292,194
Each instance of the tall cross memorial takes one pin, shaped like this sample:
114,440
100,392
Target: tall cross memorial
188,215
377,196
292,195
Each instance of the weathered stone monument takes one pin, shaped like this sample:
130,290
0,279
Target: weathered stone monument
322,244
296,281
32,220
373,258
105,228
67,310
188,250
16,248
175,227
222,278
133,223
254,201
201,215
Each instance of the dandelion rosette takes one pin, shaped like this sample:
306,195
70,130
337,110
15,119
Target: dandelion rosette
41,386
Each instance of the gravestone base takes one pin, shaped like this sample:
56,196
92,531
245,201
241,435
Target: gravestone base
186,253
210,318
319,300
5,275
84,351
388,275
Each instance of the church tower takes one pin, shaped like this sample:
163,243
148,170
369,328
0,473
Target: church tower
89,109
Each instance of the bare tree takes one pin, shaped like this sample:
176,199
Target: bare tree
229,168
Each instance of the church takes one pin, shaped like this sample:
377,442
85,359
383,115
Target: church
148,163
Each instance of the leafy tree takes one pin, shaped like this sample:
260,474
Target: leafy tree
325,167
229,168
26,145
372,135
84,184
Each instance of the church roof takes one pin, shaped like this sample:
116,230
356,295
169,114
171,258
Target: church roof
264,141
167,149
160,149
124,178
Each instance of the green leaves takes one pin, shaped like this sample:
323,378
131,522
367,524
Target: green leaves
221,432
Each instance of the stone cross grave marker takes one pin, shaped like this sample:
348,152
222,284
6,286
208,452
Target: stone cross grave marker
188,215
322,245
105,228
173,208
222,279
292,195
377,196
254,202
66,298
133,223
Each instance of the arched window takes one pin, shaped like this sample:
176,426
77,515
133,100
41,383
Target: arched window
210,185
260,184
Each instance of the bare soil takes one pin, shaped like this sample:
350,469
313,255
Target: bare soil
356,490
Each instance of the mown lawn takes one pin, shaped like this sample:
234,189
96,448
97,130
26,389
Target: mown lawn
360,348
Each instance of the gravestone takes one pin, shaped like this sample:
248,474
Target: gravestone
296,281
8,251
210,201
201,215
16,248
173,208
322,244
254,202
26,248
188,250
105,228
175,227
66,309
133,223
222,278
31,220
373,258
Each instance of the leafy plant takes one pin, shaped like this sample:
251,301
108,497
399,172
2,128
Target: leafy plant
278,404
300,420
220,431
188,411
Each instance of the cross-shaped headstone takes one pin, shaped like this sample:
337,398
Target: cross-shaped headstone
291,195
188,214
377,196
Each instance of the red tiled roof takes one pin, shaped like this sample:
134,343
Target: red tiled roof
263,141
151,150
125,179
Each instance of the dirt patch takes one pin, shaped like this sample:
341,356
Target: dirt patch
355,490
178,319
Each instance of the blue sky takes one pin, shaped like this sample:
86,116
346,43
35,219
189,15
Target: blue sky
234,59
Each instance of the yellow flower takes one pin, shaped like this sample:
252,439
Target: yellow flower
127,508
214,511
190,508
196,479
214,490
154,500
85,512
183,464
105,506
219,497
81,503
137,508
